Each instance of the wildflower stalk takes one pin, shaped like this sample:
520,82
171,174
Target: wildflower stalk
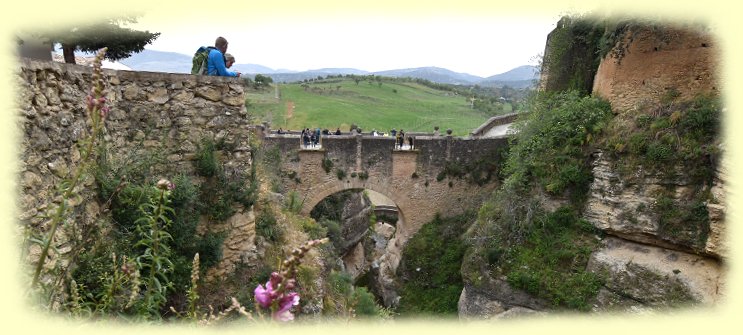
97,113
193,295
277,294
157,251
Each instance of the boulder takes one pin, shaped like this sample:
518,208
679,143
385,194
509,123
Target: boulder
653,276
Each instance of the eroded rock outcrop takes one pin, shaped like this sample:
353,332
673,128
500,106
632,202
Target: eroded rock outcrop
638,275
626,207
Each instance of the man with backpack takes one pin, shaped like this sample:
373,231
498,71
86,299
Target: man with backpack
211,60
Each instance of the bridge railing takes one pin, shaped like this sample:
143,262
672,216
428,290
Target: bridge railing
494,122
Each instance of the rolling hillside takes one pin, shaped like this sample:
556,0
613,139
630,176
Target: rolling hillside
342,102
160,61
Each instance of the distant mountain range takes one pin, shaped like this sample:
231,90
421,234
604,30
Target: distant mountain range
160,61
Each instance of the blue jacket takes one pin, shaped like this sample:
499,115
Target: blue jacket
215,65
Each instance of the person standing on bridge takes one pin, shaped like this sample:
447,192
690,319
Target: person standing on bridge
410,141
305,137
317,135
401,138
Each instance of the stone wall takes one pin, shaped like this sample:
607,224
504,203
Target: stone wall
656,60
158,113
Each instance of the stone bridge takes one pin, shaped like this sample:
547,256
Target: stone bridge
443,175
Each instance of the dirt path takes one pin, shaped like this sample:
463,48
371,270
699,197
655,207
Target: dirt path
289,110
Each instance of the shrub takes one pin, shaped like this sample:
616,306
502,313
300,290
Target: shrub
333,229
430,267
553,145
266,226
314,229
327,164
364,303
206,161
552,260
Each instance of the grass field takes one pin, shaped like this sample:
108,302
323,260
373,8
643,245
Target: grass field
340,102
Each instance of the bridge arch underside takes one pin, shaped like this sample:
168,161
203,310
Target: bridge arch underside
417,203
332,188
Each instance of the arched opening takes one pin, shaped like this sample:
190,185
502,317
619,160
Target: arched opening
361,223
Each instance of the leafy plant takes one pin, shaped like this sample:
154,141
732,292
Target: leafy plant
430,267
553,145
552,260
155,260
266,226
327,164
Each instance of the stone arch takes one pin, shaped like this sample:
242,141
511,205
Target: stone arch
331,188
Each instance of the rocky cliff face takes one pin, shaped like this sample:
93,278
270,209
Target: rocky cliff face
627,208
644,264
647,264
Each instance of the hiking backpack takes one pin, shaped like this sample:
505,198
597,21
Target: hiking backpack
200,59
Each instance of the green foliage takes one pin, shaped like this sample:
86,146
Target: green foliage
262,81
364,303
293,203
120,42
343,299
673,133
333,229
551,262
552,148
206,162
431,283
341,174
683,221
543,253
314,229
266,226
571,58
221,190
155,261
327,164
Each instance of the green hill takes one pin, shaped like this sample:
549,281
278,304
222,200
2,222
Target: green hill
340,102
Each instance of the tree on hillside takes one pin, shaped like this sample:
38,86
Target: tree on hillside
121,42
263,81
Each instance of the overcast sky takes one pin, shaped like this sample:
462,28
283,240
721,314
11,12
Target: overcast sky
479,45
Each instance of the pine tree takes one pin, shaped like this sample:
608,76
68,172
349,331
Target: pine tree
121,42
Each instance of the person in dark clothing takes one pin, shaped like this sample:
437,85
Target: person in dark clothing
410,141
401,139
305,137
338,131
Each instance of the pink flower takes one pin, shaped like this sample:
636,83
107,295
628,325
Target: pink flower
267,295
263,295
285,305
